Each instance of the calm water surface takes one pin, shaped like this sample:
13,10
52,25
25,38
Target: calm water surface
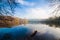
43,31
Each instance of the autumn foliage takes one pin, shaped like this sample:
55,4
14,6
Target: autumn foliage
8,21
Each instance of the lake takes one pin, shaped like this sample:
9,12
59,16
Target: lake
22,32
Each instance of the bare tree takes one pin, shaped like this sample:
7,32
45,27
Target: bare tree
7,7
56,5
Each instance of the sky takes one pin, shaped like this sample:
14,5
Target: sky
34,9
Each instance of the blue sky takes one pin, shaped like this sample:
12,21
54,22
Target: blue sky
33,9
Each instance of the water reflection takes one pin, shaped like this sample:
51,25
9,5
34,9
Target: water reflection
46,31
52,24
30,32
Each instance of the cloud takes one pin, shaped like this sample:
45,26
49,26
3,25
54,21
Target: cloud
37,13
35,10
45,29
22,2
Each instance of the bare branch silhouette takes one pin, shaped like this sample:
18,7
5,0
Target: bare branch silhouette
7,7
